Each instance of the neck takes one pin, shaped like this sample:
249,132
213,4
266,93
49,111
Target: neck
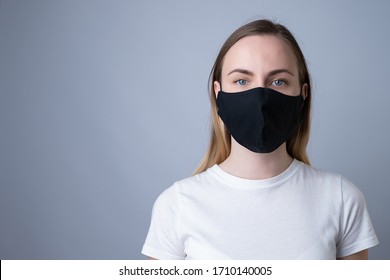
250,165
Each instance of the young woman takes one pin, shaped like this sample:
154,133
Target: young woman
255,195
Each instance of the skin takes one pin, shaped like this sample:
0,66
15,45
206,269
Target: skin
261,61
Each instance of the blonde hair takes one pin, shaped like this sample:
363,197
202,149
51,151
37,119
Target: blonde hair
220,139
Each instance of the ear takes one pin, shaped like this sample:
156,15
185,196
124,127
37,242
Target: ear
217,88
305,90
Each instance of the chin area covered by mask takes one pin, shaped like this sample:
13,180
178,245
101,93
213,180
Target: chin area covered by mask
260,119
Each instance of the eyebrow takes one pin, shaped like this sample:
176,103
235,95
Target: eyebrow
277,71
271,73
242,71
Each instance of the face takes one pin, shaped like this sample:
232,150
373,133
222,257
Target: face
260,61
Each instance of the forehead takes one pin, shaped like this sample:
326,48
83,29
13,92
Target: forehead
260,53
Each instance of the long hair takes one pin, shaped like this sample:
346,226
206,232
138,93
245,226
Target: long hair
220,138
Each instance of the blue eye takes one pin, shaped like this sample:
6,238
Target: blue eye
278,83
241,82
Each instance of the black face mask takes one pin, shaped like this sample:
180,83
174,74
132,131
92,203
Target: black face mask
260,119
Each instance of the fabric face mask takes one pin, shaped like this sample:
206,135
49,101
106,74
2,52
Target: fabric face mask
260,119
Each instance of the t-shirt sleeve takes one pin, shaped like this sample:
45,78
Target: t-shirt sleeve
356,230
163,239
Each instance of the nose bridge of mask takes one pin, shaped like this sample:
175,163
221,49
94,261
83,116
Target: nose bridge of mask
265,90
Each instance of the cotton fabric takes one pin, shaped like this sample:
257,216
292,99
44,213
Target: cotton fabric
303,213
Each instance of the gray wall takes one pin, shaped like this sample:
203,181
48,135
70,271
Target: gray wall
104,104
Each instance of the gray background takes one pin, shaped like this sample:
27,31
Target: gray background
104,104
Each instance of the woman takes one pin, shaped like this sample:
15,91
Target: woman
255,196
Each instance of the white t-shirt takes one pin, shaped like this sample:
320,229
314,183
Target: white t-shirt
303,213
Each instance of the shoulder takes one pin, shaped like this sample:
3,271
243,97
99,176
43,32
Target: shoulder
318,180
315,174
330,182
192,185
195,183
